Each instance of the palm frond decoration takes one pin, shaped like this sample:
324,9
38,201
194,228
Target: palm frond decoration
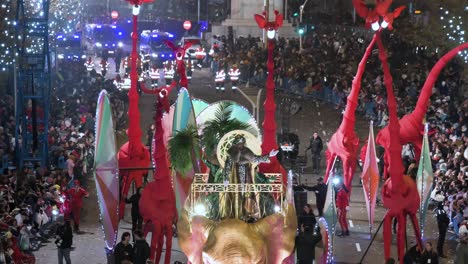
184,149
220,125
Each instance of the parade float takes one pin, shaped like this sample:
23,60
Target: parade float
229,209
217,178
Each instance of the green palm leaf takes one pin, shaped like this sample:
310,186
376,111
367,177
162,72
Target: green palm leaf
184,148
219,126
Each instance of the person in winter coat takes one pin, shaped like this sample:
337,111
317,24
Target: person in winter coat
315,147
141,249
429,255
64,241
305,244
137,220
307,218
123,250
320,194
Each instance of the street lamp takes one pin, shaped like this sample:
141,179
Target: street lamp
301,11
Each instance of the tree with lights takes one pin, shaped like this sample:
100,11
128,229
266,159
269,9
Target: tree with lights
432,23
7,34
65,16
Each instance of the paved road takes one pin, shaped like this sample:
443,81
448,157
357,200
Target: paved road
314,116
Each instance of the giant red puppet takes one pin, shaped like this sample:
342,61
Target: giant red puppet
411,125
133,154
269,124
399,193
157,202
345,143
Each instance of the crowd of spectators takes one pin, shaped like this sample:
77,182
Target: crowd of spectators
33,197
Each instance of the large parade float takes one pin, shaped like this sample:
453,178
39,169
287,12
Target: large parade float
216,175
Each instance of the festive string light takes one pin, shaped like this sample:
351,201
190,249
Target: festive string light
7,27
454,29
64,17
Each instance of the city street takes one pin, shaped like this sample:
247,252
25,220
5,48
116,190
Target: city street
313,117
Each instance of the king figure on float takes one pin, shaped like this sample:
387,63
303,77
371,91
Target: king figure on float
238,170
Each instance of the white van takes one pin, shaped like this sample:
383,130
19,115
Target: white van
196,43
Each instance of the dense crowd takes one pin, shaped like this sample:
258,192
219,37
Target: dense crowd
33,198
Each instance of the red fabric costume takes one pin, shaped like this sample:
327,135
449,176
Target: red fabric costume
76,197
411,125
179,53
399,193
133,154
269,124
157,202
345,143
342,202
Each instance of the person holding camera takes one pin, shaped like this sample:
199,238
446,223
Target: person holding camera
64,240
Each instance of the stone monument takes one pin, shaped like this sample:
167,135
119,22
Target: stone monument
242,18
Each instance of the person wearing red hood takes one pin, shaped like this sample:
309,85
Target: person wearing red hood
76,195
342,203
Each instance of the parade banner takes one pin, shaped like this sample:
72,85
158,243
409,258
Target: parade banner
330,216
106,171
370,177
424,179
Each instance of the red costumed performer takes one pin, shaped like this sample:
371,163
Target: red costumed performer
76,195
179,53
342,203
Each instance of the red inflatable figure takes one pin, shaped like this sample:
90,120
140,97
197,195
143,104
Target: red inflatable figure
399,193
179,53
76,198
157,202
269,124
345,143
411,125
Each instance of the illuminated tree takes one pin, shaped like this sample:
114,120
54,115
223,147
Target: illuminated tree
7,33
